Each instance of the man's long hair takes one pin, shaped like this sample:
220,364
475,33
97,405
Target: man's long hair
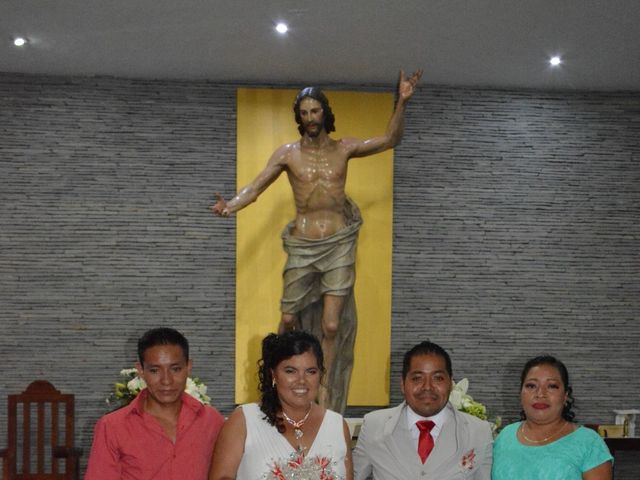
316,94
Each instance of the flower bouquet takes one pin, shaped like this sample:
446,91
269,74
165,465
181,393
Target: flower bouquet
299,467
130,385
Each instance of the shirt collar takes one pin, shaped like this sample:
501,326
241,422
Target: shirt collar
137,404
439,419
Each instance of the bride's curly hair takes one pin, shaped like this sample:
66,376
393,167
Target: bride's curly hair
567,410
275,349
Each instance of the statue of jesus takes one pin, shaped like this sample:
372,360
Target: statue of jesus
321,241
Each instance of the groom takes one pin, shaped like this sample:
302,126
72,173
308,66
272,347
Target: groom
423,437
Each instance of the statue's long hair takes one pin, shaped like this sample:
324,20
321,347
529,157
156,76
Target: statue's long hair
316,94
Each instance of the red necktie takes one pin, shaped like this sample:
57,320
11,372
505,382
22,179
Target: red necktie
425,442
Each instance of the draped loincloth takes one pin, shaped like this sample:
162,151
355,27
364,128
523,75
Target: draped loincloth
315,268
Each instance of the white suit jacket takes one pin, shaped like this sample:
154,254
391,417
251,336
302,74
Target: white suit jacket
386,451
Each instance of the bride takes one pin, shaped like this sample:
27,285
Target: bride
288,430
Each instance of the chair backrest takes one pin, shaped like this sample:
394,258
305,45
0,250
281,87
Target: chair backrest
40,437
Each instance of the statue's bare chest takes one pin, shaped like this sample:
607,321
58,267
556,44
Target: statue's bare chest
318,165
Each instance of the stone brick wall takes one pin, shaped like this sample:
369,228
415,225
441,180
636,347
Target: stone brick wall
516,232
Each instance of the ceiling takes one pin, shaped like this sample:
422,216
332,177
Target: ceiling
490,43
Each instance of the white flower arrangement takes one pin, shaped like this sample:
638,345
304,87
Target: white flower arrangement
131,385
464,402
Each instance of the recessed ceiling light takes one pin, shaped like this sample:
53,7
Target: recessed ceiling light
555,61
19,41
282,28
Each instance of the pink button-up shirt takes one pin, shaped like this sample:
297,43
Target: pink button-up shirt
130,444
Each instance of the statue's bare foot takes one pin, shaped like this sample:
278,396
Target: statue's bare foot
288,323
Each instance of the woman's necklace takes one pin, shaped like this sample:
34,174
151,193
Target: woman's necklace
297,426
557,432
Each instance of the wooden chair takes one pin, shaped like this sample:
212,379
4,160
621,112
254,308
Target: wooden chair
40,435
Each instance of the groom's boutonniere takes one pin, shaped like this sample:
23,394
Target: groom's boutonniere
468,460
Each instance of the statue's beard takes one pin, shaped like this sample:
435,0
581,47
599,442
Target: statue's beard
313,132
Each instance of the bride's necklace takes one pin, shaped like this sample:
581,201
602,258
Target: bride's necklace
297,426
557,432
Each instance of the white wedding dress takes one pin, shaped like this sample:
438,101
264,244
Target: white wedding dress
264,447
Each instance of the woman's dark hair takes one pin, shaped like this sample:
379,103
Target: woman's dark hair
316,94
567,413
275,349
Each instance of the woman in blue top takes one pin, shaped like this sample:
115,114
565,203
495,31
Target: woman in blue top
547,444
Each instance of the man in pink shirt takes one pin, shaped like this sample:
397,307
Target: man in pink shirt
164,433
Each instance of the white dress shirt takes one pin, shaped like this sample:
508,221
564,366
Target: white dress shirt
439,419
